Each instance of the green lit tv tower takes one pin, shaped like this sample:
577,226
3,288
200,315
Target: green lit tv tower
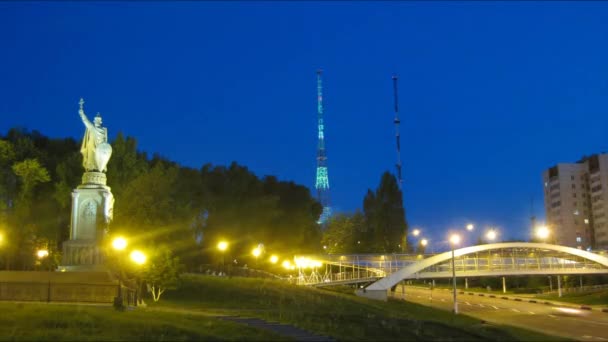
322,180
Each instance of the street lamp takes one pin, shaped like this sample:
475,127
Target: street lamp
256,253
542,233
138,257
470,227
222,246
416,232
454,240
274,259
491,235
423,243
119,244
41,254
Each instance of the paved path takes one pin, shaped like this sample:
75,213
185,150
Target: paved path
281,329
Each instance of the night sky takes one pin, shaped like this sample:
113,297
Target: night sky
491,94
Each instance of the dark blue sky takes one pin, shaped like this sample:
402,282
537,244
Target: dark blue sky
491,93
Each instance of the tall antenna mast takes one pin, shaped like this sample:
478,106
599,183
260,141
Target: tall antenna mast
322,179
397,136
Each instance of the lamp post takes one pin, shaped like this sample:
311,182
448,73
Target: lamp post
42,254
423,244
139,258
491,235
256,253
543,232
119,244
222,246
454,240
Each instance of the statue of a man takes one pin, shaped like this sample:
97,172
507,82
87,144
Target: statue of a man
95,149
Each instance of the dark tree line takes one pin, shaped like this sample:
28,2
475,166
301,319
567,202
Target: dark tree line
380,228
158,203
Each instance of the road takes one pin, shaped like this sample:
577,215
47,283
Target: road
563,321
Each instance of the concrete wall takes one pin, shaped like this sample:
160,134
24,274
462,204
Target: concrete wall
92,287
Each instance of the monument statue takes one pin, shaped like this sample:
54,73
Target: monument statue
92,200
95,149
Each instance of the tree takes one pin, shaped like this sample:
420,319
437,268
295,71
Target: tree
161,272
31,174
343,234
385,216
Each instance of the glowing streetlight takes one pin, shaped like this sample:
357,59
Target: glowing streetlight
119,243
542,232
491,235
424,242
42,253
416,232
470,227
454,240
138,257
274,259
256,252
222,245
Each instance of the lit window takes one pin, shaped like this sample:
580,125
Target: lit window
578,239
586,221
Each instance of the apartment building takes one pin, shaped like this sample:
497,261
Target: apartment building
576,202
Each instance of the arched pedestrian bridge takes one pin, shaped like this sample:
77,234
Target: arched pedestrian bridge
497,259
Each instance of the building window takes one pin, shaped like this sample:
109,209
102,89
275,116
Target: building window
572,177
586,221
578,239
574,194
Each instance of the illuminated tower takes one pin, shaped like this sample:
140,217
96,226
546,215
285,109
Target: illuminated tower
322,181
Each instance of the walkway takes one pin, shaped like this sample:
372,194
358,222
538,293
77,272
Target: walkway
281,329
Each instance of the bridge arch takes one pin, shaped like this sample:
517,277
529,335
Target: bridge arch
410,272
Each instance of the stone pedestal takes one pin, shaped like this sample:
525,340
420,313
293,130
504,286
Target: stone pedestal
92,208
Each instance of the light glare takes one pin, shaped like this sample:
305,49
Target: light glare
222,245
542,232
455,239
119,243
138,257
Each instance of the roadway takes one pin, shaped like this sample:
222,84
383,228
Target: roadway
582,325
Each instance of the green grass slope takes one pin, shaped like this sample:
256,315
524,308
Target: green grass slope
339,315
54,322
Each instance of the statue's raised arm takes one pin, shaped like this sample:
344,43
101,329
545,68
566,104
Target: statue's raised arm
95,149
83,116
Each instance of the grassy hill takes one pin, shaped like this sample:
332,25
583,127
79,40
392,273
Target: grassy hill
342,316
192,313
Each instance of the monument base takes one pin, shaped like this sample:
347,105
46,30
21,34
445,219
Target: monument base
82,256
